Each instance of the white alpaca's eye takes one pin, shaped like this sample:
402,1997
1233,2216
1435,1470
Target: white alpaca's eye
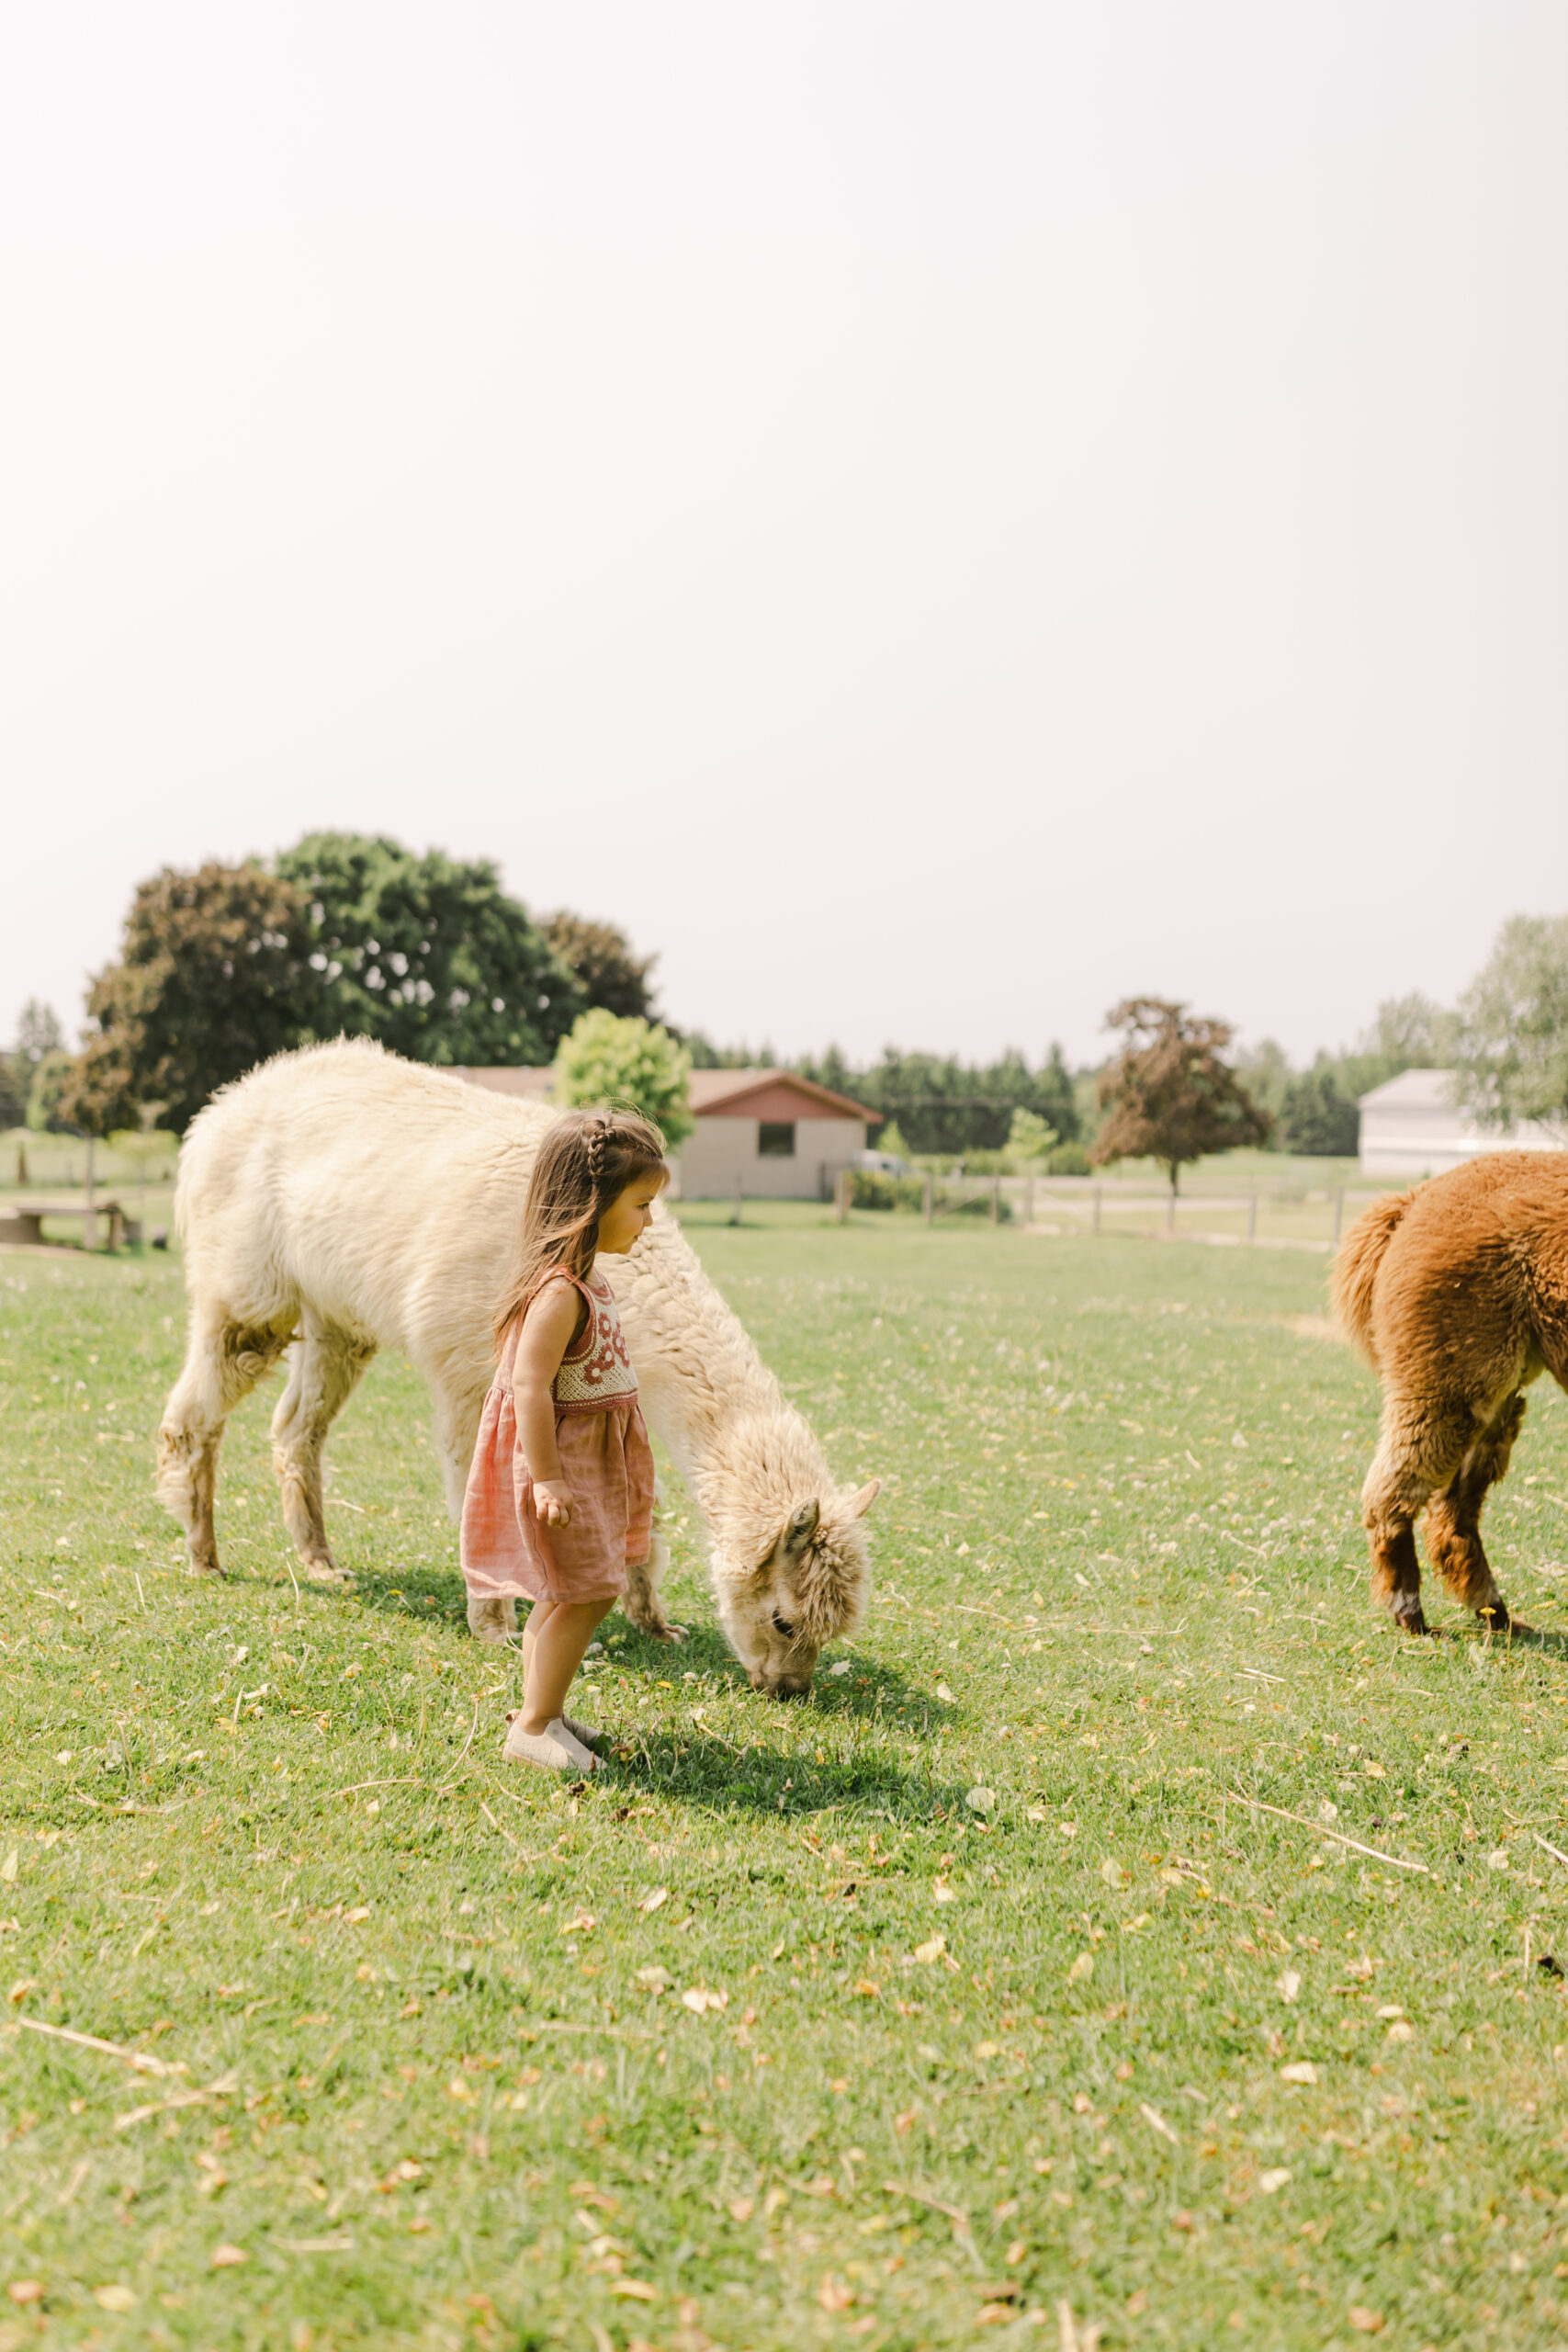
782,1627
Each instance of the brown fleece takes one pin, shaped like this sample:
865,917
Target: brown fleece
1456,1294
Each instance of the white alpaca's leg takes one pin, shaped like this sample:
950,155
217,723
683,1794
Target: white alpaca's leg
224,1359
642,1605
325,1365
492,1619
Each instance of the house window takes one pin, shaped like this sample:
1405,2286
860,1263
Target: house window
775,1138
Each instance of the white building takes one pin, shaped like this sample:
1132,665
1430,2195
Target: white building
1411,1126
763,1132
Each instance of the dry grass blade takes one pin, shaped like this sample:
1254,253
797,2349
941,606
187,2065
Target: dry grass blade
143,2061
1392,1860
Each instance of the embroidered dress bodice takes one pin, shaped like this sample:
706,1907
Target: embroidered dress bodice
596,1371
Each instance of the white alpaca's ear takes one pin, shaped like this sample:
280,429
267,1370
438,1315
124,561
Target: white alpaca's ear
860,1504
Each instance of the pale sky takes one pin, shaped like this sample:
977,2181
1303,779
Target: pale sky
933,518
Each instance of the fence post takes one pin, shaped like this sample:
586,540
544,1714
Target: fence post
841,1194
996,1200
1339,1213
1252,1216
739,1196
1094,1213
929,1204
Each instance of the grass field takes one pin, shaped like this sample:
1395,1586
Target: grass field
975,1988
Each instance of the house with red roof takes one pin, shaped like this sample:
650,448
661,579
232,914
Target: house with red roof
764,1133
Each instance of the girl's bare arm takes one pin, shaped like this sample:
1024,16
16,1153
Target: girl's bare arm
547,1331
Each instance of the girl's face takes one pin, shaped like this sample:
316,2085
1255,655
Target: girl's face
629,1216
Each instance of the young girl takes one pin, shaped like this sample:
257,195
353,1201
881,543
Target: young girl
560,1495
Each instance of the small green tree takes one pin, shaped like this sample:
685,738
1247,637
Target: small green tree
1029,1136
1317,1118
891,1140
1512,1061
48,1095
610,1059
1169,1095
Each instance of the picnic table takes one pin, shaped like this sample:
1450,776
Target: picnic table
22,1220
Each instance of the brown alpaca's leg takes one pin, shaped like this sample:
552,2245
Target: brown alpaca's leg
1452,1524
1419,1451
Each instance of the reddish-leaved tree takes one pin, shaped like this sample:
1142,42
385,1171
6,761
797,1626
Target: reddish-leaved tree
1171,1094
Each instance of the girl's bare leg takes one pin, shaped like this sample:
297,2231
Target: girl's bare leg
538,1618
554,1657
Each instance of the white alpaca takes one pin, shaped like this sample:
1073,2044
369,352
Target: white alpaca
340,1200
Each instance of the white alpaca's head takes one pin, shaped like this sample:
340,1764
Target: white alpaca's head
810,1586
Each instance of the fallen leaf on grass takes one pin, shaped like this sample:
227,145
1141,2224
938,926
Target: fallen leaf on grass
833,2295
1300,2070
228,2257
980,1800
743,2208
927,1953
10,1867
1290,1982
581,1923
1273,2179
1081,1969
115,2297
1365,2321
23,2291
698,1997
653,1898
944,1693
654,1980
637,2290
1157,2122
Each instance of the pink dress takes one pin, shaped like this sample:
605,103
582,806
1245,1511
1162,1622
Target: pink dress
605,1459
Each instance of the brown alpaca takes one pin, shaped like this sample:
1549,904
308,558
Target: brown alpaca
1457,1293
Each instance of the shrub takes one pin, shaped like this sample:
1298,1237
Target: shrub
606,1058
1068,1160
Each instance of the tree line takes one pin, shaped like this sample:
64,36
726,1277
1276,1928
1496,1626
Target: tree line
344,935
354,934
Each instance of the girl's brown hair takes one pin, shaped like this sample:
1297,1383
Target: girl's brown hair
585,1162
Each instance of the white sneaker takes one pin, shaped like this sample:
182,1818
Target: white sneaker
554,1747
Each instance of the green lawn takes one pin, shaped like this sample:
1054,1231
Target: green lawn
894,2018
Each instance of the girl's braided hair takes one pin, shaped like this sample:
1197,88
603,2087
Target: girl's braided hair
586,1161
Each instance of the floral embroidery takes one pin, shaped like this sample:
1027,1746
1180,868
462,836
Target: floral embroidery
599,1372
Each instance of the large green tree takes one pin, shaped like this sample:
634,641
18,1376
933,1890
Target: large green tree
215,973
1169,1094
601,960
427,954
1512,1061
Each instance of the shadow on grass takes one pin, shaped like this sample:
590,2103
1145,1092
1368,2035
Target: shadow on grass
435,1596
717,1779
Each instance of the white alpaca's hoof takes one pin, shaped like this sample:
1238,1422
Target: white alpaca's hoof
665,1632
493,1621
323,1572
